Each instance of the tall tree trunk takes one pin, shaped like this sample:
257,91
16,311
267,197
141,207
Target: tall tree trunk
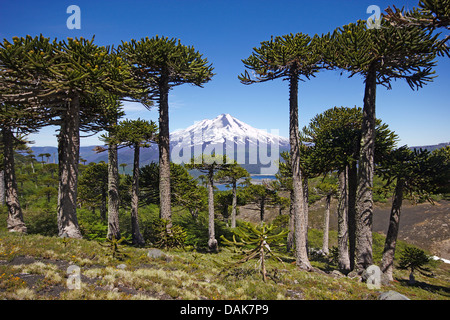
212,242
234,206
164,153
364,201
301,253
103,208
68,158
14,221
137,237
343,258
326,225
2,187
291,235
352,187
387,263
113,193
306,208
262,205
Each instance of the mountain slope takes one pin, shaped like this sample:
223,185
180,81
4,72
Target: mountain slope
256,150
252,148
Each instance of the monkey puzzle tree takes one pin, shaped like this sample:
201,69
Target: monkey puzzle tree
64,76
232,175
209,164
261,194
93,187
381,56
337,131
431,14
160,64
20,113
136,134
112,112
416,174
327,187
289,57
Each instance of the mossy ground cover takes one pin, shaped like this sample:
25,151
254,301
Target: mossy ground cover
35,267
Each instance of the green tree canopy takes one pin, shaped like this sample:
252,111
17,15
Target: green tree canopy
159,64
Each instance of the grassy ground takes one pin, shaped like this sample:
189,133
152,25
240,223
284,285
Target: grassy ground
35,267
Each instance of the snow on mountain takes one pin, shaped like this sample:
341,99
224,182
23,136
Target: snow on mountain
225,135
256,150
224,128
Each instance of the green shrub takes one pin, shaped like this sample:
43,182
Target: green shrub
197,229
163,238
42,221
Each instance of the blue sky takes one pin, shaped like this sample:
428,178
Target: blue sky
225,31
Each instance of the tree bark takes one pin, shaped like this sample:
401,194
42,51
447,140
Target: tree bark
137,238
14,221
2,187
301,253
291,235
326,225
68,157
306,208
113,193
364,201
387,263
212,242
343,258
352,187
234,206
164,152
262,205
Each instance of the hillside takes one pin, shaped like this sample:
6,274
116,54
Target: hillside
424,225
36,267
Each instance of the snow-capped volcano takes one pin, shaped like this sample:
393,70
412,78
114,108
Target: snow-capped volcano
225,128
256,150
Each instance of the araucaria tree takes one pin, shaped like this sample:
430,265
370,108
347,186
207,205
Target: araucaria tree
64,77
337,131
232,175
430,14
416,174
112,112
289,57
209,164
160,64
135,133
381,56
19,113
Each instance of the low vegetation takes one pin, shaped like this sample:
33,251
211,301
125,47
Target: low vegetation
34,266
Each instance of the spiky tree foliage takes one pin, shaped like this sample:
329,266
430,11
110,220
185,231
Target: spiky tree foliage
19,113
136,134
112,112
415,259
381,56
262,195
416,175
185,191
232,175
159,65
431,14
289,57
210,164
260,239
337,131
93,187
67,77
